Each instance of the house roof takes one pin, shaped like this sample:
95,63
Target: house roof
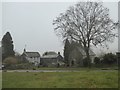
32,54
50,55
81,50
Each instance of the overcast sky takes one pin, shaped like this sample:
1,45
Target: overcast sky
30,24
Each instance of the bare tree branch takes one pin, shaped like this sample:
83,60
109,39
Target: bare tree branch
88,22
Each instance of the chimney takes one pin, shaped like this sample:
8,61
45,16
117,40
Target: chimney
24,50
58,53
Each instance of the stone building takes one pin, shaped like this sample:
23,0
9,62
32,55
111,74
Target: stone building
77,54
52,59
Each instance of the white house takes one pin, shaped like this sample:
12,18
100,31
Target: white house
33,57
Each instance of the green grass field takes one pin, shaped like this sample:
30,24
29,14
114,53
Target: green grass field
0,80
82,79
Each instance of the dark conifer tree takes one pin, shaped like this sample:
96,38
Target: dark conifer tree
66,51
7,46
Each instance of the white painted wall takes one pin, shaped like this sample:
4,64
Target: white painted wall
36,60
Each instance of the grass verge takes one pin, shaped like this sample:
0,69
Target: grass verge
82,79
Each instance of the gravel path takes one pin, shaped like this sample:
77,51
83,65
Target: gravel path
54,70
42,71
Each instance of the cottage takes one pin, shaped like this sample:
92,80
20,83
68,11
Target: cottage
32,57
52,59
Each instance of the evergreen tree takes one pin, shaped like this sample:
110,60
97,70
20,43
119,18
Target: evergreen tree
66,51
7,46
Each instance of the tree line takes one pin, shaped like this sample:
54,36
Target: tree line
88,23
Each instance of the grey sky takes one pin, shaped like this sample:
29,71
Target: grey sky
30,23
119,27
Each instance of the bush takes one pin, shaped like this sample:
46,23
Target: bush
20,66
23,66
34,68
97,60
10,61
109,59
85,62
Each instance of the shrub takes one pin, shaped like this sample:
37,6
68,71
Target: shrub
34,68
109,59
85,62
10,61
97,60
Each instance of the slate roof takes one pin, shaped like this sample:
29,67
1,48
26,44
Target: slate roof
81,50
50,55
32,54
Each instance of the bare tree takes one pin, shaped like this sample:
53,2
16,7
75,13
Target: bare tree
86,22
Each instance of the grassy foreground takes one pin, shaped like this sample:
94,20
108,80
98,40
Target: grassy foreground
0,80
82,79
